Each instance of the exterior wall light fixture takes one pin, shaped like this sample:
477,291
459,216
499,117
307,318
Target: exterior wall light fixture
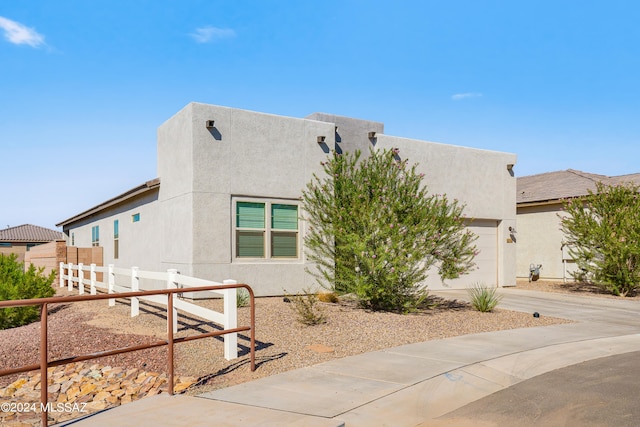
210,124
372,135
321,139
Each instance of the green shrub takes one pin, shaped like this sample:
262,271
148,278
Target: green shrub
602,231
306,308
16,284
483,299
375,231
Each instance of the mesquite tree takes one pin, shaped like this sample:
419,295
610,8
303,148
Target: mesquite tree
375,231
602,230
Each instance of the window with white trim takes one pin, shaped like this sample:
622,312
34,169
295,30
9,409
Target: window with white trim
95,235
266,230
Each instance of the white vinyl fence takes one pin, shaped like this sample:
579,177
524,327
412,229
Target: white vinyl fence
112,283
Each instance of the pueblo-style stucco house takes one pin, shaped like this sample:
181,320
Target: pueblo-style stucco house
19,239
539,210
226,203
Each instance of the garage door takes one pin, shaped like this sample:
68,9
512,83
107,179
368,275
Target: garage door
486,260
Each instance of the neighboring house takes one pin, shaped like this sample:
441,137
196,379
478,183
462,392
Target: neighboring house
18,240
539,209
227,200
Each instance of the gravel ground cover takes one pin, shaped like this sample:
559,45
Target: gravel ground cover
282,343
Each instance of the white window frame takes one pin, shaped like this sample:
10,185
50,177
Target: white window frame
95,235
268,258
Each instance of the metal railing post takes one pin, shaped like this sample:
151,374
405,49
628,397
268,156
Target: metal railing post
44,383
170,321
252,328
173,284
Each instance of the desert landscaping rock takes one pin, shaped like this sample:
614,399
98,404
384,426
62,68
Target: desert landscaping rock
319,348
85,389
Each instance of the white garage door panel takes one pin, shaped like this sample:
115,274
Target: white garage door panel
486,260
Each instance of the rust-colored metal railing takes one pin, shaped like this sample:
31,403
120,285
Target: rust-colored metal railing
170,341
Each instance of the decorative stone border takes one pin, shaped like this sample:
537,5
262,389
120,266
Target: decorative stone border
79,389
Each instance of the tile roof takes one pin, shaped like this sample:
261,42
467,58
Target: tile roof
564,184
29,233
633,178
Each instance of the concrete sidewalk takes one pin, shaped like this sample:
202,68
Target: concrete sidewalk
411,384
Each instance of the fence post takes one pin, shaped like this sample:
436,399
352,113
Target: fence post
230,320
173,284
111,283
135,287
80,279
70,278
61,275
92,276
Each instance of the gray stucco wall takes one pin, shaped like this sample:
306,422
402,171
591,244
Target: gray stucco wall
478,178
246,154
262,156
350,134
189,223
139,242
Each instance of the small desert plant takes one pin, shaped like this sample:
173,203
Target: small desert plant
331,297
242,297
483,299
306,308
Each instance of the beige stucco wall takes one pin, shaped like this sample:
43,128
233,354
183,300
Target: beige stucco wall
539,241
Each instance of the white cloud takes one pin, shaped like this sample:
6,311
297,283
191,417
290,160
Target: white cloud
17,33
459,96
212,34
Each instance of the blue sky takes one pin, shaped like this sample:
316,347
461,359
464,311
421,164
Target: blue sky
85,84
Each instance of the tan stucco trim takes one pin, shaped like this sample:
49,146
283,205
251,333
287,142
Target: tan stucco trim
543,202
